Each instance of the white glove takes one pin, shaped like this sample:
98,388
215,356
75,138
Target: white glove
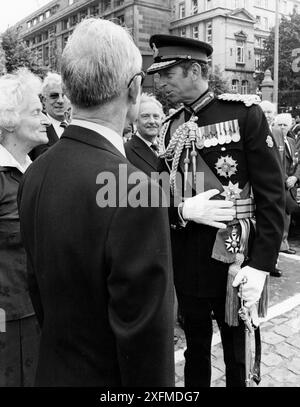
252,289
201,209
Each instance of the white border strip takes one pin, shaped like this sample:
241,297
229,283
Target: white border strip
274,311
290,256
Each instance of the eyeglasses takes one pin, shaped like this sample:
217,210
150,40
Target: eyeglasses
142,74
55,96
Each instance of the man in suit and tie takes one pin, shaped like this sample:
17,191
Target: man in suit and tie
141,149
283,121
55,106
100,270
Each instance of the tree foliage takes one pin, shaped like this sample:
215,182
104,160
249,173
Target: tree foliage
289,38
17,54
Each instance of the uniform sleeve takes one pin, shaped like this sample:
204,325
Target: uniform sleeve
140,286
266,178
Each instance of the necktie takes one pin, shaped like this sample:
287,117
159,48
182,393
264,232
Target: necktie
154,148
63,124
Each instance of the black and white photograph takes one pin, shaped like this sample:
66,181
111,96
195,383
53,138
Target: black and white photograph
149,197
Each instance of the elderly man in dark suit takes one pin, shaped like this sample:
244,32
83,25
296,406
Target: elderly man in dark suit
55,106
141,149
99,266
283,121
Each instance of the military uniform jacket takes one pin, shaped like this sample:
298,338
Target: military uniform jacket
254,158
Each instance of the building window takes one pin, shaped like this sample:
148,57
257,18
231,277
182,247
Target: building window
47,14
74,20
240,59
266,23
35,21
71,2
41,17
194,6
257,62
208,36
94,11
181,10
45,35
28,24
235,85
258,20
182,32
121,20
249,55
82,15
119,3
195,32
245,87
65,24
105,5
208,4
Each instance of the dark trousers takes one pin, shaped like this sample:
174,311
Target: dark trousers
197,315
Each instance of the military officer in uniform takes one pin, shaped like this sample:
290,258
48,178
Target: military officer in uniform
227,140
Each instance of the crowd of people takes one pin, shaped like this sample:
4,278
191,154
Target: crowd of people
88,289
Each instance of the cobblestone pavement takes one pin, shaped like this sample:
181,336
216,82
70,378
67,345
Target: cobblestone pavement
280,366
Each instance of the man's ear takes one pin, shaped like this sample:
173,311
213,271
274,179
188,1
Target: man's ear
196,71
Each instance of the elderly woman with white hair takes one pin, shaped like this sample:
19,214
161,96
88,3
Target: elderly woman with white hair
292,175
22,127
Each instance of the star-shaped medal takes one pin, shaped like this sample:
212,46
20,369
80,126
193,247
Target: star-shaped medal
226,166
233,241
231,191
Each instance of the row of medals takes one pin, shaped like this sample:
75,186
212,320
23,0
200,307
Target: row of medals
218,133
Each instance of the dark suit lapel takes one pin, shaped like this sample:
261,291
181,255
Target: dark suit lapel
144,152
86,136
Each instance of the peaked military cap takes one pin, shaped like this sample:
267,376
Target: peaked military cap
170,50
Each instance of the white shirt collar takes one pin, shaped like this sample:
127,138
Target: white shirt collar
149,144
8,160
113,137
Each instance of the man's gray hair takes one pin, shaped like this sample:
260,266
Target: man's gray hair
98,62
148,97
14,91
265,104
51,79
284,118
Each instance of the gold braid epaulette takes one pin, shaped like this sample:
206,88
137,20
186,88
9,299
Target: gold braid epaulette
248,100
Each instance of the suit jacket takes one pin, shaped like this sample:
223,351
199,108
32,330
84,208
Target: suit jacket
291,159
52,137
254,159
141,156
100,275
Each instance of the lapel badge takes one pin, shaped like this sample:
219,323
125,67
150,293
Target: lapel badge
270,141
226,166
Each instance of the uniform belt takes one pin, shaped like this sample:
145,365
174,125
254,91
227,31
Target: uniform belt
245,208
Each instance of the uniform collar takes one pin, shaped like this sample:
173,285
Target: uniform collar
202,101
8,160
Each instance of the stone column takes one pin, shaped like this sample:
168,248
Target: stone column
267,86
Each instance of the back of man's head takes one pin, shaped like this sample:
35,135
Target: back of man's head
98,62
